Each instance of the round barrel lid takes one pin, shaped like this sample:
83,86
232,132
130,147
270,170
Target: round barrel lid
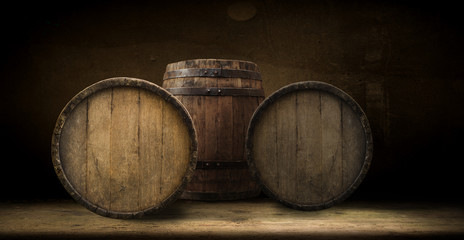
124,147
309,144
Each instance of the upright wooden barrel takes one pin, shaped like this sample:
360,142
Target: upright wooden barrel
124,147
310,145
220,95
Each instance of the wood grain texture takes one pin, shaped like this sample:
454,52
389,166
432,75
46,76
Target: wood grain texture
74,146
98,148
332,158
286,139
352,140
176,150
322,142
309,159
151,155
256,219
126,148
221,123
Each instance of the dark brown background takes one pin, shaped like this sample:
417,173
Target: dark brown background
401,61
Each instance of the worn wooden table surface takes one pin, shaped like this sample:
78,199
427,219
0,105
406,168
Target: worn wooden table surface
259,218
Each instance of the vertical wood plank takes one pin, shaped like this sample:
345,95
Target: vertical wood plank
239,127
248,108
226,82
286,154
210,82
167,83
73,147
258,84
309,153
247,83
194,104
176,148
196,107
211,138
201,112
265,148
303,157
354,145
238,143
151,152
331,147
98,148
225,128
125,150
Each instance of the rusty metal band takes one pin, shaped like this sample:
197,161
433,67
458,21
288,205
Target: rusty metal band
212,72
221,165
250,92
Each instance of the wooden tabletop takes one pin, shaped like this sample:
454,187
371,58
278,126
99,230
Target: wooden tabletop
259,218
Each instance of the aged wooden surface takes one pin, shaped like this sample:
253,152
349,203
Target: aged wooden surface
310,145
251,219
126,148
221,123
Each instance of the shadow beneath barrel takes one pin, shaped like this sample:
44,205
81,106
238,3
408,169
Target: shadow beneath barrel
174,211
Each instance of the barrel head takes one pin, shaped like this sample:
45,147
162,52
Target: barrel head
124,147
309,145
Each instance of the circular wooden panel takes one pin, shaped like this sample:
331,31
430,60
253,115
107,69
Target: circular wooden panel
310,145
124,147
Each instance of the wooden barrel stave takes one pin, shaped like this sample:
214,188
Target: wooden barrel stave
221,122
